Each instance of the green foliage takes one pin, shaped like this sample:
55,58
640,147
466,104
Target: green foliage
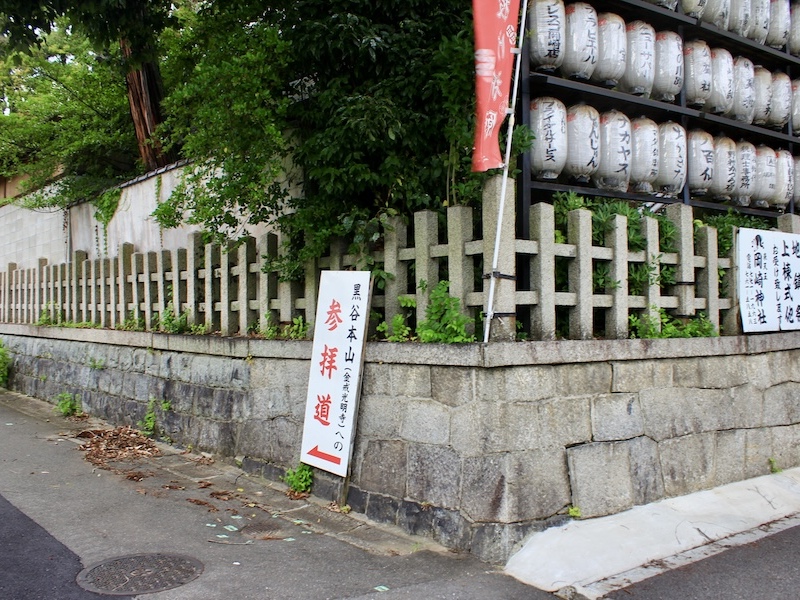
131,323
444,322
296,330
300,479
67,116
226,112
148,423
270,330
169,322
601,278
665,326
97,364
5,364
574,512
67,404
773,466
725,223
400,331
166,405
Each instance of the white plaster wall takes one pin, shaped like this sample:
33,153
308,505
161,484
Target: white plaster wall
26,236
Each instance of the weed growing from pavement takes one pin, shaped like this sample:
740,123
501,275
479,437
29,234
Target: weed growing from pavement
67,404
300,479
148,423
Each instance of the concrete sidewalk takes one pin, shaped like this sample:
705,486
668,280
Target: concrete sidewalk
598,556
181,505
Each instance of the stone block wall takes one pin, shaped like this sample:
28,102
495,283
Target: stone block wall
476,446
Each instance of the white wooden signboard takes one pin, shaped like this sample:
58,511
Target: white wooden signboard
769,280
334,379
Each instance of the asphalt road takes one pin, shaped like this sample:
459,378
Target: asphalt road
60,514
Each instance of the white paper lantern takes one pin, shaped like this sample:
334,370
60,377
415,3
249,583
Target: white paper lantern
781,106
745,173
794,30
762,95
701,161
549,127
723,184
796,187
697,67
612,49
614,170
644,155
580,54
760,26
547,31
764,189
668,80
784,179
693,8
779,16
672,166
583,142
717,13
744,81
721,98
741,17
640,62
796,107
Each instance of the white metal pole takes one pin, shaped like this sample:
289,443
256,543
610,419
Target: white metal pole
504,187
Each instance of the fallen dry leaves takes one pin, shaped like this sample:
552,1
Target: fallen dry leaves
198,502
120,443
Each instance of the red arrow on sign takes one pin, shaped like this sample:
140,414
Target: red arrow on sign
317,453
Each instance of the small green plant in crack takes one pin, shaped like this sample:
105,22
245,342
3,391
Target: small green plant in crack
773,466
297,330
574,512
69,405
98,364
400,331
299,481
148,423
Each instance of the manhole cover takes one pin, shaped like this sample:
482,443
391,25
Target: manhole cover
140,574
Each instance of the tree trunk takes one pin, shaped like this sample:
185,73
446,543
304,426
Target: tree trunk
145,93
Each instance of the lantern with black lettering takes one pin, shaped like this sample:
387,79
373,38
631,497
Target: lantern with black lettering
583,142
612,49
549,128
644,155
547,30
668,80
671,176
766,175
640,62
701,162
580,53
614,171
697,67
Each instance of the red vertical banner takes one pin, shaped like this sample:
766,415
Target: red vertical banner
495,37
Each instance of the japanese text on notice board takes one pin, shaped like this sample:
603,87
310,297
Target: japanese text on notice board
769,280
335,372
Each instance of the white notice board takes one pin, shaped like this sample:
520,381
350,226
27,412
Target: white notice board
334,378
769,280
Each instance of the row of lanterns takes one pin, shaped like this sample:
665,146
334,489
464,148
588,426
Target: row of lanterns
775,23
633,57
618,154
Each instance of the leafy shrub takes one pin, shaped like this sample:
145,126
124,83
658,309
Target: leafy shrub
5,363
